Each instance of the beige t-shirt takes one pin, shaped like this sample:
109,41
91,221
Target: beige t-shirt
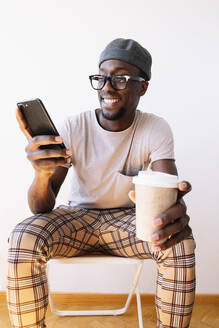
104,162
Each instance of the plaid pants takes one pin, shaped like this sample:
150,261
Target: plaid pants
68,232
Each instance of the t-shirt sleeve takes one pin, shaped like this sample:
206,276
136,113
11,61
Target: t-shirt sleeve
64,131
161,143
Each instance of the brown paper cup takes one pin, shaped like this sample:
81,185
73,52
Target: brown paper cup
155,193
150,202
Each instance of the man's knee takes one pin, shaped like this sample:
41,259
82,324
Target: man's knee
189,245
27,235
181,254
184,247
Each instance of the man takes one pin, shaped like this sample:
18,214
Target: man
106,147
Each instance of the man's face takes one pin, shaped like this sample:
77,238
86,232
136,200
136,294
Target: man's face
117,103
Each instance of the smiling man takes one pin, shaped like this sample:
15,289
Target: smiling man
107,146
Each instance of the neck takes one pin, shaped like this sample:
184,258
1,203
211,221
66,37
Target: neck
121,124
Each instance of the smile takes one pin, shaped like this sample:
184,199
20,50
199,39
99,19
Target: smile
110,101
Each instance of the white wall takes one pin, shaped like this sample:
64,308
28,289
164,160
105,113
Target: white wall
48,49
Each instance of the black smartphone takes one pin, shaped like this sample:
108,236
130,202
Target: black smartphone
39,121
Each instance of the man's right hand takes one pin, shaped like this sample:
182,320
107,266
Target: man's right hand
44,161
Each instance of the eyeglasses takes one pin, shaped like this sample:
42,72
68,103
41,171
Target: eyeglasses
118,82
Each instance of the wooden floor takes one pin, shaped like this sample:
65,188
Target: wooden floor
204,316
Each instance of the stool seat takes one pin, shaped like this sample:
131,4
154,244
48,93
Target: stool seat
101,259
96,259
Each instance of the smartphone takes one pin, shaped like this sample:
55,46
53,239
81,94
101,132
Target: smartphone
39,121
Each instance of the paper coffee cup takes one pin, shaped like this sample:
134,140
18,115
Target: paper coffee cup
155,192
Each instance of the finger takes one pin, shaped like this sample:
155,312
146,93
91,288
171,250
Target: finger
184,187
175,239
170,215
51,163
42,140
22,124
170,230
131,195
47,154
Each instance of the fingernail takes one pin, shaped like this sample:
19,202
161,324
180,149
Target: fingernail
68,151
58,138
157,222
184,184
155,236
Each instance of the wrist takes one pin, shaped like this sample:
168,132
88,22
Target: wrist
43,175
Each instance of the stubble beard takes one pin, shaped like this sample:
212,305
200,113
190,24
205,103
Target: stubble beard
111,115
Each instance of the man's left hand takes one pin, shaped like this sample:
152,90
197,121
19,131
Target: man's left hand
173,223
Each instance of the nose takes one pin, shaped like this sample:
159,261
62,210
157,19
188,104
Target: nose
108,86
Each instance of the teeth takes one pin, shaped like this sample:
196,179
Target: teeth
111,101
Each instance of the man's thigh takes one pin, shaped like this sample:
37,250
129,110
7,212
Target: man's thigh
118,237
65,231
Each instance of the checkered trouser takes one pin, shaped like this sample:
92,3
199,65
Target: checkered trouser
68,232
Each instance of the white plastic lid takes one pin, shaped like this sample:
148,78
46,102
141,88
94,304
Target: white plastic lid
156,179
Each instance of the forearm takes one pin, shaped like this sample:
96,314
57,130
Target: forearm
41,197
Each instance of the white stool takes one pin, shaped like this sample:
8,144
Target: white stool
102,259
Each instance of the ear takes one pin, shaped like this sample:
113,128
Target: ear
143,88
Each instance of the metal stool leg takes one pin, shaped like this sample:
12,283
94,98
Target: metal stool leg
139,307
134,288
138,269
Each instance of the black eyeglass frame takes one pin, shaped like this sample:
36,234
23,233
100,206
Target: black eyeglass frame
111,77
